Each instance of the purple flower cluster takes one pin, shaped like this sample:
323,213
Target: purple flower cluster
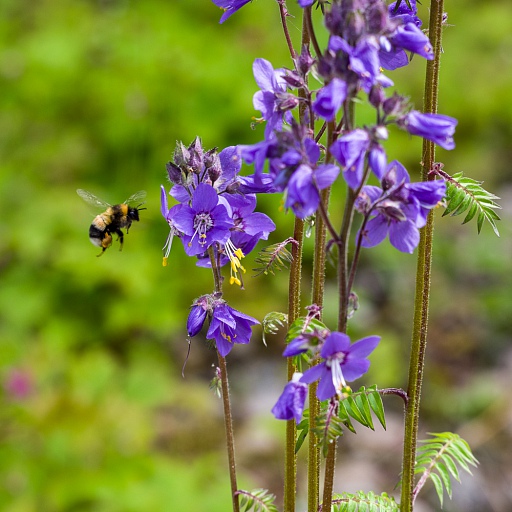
340,362
365,36
227,325
215,207
398,209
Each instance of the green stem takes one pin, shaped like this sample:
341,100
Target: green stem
318,299
290,459
228,417
421,301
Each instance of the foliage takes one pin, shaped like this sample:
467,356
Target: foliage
437,459
272,322
361,502
463,193
356,406
258,500
274,257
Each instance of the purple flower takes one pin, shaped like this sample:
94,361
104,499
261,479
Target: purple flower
273,100
303,195
435,127
290,404
168,215
230,6
410,37
404,13
330,98
197,316
204,222
399,209
342,363
306,3
229,326
350,151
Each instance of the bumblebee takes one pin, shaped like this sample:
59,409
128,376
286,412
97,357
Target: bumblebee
113,219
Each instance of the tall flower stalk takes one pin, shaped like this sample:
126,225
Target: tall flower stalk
424,263
311,140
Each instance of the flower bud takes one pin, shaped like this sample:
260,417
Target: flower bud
174,173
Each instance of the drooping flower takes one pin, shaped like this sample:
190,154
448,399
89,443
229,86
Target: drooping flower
168,214
330,98
342,362
230,7
399,209
197,315
435,127
350,151
229,326
272,100
303,195
290,405
204,222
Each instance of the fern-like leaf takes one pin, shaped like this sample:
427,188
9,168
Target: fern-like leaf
329,426
257,500
437,458
359,405
364,502
355,405
274,257
272,322
467,195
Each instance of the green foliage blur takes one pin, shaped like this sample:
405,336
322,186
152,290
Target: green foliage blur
94,413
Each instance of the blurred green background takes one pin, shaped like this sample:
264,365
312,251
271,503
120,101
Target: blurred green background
95,415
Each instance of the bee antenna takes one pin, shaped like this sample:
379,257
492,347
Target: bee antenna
139,207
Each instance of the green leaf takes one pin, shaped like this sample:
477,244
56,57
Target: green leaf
452,468
359,502
274,258
439,487
376,404
272,322
437,458
465,194
257,500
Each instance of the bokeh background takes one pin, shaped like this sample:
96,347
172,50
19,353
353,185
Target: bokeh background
95,414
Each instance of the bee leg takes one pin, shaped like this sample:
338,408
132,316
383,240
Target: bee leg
106,242
120,238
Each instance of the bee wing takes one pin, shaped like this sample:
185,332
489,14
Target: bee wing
138,197
90,198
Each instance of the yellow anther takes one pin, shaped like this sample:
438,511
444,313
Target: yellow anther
164,261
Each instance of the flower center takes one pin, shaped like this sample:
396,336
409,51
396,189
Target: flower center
202,224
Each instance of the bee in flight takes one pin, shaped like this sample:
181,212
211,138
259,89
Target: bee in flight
112,219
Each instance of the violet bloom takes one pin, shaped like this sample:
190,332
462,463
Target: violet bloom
230,7
330,98
410,37
404,13
197,316
306,3
342,363
290,405
399,210
272,101
303,195
204,222
363,60
435,127
168,214
229,326
350,151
